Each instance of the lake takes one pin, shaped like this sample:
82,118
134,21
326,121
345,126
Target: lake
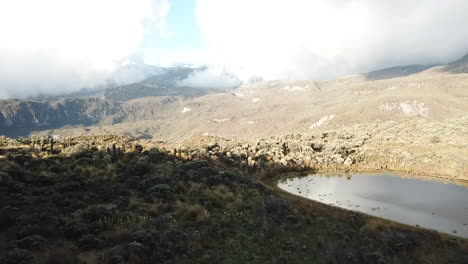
414,201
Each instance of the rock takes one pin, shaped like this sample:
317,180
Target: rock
349,161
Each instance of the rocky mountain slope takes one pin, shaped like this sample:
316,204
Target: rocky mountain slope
459,66
260,109
276,108
20,117
98,107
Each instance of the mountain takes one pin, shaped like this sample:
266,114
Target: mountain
397,71
136,80
139,90
93,107
158,108
18,118
458,66
165,83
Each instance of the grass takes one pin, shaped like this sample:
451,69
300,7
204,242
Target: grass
189,212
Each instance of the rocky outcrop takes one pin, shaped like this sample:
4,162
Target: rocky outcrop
417,146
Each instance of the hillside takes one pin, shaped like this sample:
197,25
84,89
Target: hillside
276,108
19,118
459,66
155,109
119,200
164,174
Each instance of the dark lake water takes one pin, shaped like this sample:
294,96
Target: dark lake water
431,204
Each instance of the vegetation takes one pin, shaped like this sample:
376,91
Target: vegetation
145,206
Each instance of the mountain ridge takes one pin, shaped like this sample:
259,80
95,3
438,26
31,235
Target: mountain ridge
158,108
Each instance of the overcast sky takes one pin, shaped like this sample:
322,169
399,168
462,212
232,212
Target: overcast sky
63,45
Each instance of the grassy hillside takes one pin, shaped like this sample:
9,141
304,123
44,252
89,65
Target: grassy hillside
108,200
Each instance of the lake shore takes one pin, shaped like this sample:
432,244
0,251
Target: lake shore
399,198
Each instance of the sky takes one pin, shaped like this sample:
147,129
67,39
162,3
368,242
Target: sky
56,46
183,41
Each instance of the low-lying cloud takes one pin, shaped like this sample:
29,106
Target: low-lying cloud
304,39
56,46
212,77
53,46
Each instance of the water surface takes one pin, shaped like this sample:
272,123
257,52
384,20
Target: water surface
431,204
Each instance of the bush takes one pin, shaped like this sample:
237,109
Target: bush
75,229
31,242
94,214
175,243
155,155
88,242
138,168
161,191
8,216
17,256
278,209
5,179
76,149
20,158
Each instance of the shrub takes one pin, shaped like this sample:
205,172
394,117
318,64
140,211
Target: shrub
20,158
161,191
277,208
156,155
191,213
17,256
5,179
8,216
75,229
31,242
75,149
138,168
94,214
148,238
173,243
88,242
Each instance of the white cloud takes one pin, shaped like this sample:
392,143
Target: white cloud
212,77
57,45
303,39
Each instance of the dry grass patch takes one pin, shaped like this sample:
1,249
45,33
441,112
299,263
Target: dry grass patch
194,213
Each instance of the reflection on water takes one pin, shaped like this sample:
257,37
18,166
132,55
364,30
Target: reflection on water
431,204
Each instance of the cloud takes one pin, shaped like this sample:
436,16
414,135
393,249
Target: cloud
303,39
212,77
56,45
